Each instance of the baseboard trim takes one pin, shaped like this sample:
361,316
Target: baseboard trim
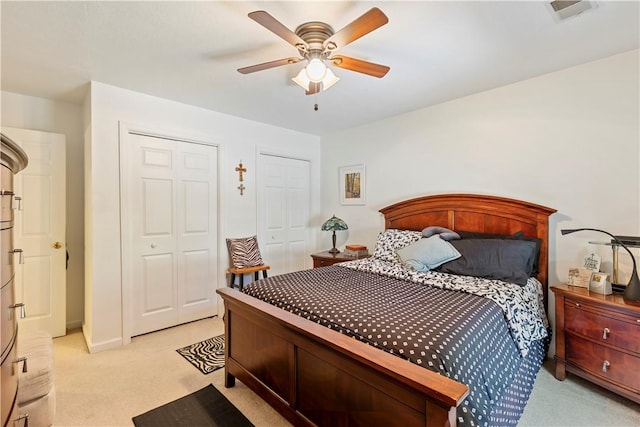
101,346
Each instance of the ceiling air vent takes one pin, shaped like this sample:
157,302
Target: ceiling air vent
563,9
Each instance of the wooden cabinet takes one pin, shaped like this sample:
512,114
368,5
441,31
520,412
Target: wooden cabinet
323,259
13,160
598,338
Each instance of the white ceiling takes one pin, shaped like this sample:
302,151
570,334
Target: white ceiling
189,52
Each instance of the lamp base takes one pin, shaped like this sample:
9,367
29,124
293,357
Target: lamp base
632,290
334,251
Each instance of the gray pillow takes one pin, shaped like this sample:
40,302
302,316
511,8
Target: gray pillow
444,233
427,254
506,260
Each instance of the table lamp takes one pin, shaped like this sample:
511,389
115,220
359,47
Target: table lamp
632,290
332,224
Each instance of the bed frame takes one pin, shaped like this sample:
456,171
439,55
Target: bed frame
313,375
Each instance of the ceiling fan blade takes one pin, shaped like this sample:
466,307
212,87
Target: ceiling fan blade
267,65
360,66
361,26
273,25
313,88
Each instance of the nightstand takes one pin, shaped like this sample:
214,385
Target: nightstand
323,259
598,339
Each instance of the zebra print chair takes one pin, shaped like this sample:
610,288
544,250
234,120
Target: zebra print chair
245,259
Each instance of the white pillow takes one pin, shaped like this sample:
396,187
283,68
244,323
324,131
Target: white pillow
427,254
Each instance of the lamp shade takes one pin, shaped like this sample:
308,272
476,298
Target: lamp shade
332,224
632,290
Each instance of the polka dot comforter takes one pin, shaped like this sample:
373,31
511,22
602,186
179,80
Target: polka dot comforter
487,334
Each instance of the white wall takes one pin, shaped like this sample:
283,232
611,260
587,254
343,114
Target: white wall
28,112
569,140
238,139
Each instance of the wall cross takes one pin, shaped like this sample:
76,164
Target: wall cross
241,187
240,170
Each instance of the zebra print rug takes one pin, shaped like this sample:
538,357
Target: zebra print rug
207,355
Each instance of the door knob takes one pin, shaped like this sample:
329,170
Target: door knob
57,245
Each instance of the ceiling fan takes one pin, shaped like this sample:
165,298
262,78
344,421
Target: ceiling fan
316,43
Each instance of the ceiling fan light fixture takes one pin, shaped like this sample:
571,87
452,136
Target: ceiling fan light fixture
316,70
329,80
302,79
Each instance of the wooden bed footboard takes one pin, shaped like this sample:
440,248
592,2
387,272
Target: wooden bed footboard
313,375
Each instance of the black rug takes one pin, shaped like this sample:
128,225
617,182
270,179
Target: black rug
204,408
207,355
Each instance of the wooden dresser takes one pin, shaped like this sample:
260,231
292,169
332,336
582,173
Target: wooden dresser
598,338
13,160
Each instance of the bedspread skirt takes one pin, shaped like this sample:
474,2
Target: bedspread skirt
509,408
459,335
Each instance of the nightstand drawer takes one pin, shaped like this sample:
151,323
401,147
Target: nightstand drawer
587,320
621,368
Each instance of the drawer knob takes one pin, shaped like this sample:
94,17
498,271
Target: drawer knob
20,305
605,333
577,304
24,417
17,203
20,255
24,366
605,366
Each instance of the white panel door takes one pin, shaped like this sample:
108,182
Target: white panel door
172,197
197,231
39,231
283,228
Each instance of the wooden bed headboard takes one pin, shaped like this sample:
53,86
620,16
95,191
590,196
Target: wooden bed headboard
479,213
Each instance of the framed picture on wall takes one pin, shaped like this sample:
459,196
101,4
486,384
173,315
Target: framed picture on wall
352,185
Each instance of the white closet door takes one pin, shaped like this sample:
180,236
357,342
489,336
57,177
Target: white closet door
172,198
197,236
283,230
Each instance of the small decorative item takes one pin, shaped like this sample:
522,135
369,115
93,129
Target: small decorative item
632,290
332,224
600,284
592,262
356,251
240,169
579,277
352,185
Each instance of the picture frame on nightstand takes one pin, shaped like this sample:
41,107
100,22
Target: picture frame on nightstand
579,277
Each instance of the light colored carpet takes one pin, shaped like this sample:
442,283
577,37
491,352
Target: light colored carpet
110,387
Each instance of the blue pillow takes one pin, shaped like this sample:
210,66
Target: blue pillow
427,254
444,233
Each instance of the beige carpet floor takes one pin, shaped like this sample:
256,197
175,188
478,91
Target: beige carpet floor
110,387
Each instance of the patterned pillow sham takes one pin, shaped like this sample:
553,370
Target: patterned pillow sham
389,241
244,252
